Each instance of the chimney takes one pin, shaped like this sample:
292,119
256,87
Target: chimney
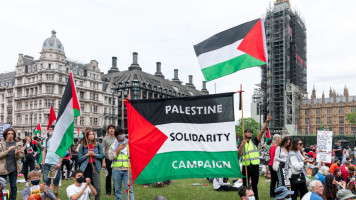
158,70
176,79
204,88
190,84
135,65
114,65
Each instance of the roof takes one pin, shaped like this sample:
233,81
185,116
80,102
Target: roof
53,43
339,99
5,78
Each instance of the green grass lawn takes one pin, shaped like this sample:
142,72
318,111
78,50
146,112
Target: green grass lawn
177,190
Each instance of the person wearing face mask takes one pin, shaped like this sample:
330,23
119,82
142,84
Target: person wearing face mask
34,177
82,187
246,193
119,155
282,193
108,141
317,189
248,150
90,156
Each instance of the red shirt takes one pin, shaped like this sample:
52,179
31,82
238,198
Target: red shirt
344,172
91,159
272,151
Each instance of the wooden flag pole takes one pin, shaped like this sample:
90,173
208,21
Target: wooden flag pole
128,175
243,131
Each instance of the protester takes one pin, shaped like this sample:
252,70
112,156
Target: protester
274,178
320,176
66,162
107,142
30,155
246,193
248,150
280,159
297,174
344,171
282,193
119,155
10,153
338,175
335,165
267,159
222,184
345,195
80,190
4,193
345,156
35,176
338,151
90,156
351,171
37,142
317,189
50,162
74,151
330,187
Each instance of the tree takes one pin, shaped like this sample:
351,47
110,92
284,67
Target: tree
351,117
248,123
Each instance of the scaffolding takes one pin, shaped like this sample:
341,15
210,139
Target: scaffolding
286,45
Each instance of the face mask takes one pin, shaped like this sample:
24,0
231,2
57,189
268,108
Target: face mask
35,182
289,199
251,198
80,179
122,137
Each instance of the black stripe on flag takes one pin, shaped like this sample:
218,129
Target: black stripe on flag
67,96
224,38
198,109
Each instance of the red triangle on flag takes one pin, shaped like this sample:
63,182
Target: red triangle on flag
253,43
51,118
144,140
268,134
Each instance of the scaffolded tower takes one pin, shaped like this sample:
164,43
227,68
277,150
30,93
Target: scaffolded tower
287,52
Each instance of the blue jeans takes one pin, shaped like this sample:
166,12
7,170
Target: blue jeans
13,180
118,177
46,168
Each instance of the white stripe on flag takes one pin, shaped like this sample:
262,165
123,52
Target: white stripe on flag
220,55
199,129
62,125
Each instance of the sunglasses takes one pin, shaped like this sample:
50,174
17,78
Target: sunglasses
300,143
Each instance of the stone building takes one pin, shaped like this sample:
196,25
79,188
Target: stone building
27,93
329,112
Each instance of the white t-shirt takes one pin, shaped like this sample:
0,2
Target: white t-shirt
72,189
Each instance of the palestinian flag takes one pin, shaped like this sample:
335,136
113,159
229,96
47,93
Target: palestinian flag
232,50
38,130
39,150
268,136
63,134
180,138
51,117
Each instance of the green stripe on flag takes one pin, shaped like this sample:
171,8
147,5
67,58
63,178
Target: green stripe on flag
36,131
67,141
180,165
230,66
76,112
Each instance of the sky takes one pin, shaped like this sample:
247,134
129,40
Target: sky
165,31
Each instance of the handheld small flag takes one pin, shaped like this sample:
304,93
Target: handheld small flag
232,50
268,136
38,130
51,117
63,134
78,132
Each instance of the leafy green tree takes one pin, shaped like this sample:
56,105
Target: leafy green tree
351,117
248,123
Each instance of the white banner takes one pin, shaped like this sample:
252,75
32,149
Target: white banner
323,157
324,141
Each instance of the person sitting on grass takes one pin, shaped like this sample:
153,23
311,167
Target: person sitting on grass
35,177
320,176
80,190
316,190
344,194
222,184
246,193
4,194
282,193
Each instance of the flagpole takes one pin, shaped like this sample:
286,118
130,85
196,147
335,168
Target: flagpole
128,175
243,131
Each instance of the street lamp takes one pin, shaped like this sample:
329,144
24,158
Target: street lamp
31,123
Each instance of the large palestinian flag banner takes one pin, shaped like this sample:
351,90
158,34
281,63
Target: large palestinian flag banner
232,50
180,138
63,134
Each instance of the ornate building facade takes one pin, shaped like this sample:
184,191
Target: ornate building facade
327,112
27,93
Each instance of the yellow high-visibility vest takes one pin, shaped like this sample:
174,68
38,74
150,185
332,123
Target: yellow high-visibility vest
251,153
122,160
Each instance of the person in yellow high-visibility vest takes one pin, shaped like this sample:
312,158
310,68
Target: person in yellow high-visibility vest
249,149
119,155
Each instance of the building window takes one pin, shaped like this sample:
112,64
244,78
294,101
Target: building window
60,89
318,121
49,103
353,109
329,121
341,120
81,95
49,89
82,107
60,78
353,130
49,66
318,112
60,67
19,119
341,110
50,77
341,130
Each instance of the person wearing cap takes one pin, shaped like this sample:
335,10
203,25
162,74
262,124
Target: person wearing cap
344,194
248,151
282,193
4,193
317,189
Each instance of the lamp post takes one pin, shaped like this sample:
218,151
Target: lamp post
113,90
31,123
